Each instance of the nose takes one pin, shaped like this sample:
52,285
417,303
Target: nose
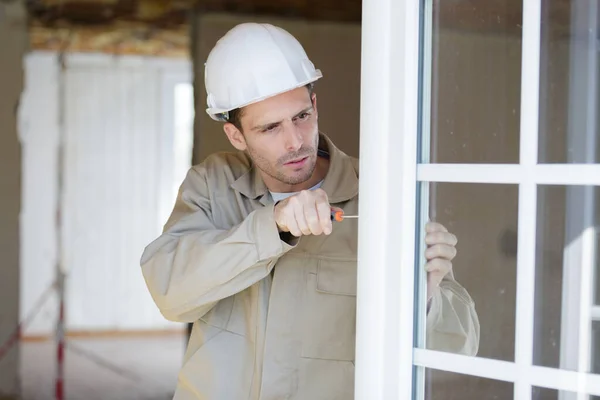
293,138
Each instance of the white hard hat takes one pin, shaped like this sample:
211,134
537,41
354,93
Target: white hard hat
251,63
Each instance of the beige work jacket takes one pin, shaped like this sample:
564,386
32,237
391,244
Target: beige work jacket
272,321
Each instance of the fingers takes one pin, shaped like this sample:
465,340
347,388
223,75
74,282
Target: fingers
315,213
305,219
307,213
436,269
439,253
435,227
324,214
438,266
433,238
285,217
440,242
292,224
443,251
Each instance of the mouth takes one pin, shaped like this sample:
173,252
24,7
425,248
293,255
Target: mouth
297,162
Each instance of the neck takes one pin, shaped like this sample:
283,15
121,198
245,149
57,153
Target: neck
321,168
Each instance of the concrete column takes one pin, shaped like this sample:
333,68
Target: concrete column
13,44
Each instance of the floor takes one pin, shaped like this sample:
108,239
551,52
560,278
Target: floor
104,369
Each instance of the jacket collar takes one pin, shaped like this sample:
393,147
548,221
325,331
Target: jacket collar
340,183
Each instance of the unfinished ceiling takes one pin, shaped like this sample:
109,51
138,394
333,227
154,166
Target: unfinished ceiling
169,13
156,27
160,27
147,27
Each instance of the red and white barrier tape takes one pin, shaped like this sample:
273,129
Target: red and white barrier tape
60,349
16,335
101,362
14,338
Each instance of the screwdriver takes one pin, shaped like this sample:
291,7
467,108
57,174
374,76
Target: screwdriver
339,216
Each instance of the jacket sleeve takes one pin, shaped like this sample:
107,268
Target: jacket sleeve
193,265
452,322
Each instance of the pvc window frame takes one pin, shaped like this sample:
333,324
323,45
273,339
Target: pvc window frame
393,164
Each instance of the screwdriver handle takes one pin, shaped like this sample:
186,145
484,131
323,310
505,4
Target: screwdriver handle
337,216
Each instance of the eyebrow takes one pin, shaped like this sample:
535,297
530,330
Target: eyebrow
265,126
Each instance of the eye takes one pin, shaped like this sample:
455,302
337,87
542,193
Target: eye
270,128
303,116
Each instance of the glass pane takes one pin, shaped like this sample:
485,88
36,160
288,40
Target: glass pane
538,393
442,385
483,217
569,69
475,81
566,334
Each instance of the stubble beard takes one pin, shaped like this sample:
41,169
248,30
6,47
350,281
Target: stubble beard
276,171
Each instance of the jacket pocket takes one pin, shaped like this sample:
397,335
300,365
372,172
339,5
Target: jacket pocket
337,277
329,315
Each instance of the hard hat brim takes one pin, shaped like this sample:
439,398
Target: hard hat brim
217,113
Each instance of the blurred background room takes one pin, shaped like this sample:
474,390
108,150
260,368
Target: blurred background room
102,113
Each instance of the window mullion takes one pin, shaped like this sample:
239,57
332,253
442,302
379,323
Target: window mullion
530,83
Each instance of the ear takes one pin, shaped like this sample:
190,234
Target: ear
234,135
313,99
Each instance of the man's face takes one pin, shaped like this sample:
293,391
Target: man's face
281,136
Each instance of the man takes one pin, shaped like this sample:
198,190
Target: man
250,254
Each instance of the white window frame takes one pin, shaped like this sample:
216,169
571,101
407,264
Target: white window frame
579,275
388,366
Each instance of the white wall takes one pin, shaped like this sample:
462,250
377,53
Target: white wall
119,178
39,138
